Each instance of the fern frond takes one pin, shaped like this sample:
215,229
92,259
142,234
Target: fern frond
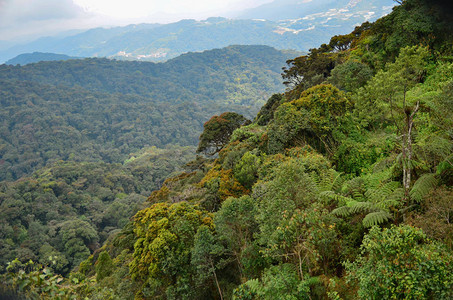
337,182
394,199
359,207
329,195
382,192
376,180
329,180
376,218
343,211
315,177
355,186
423,186
358,196
384,164
439,145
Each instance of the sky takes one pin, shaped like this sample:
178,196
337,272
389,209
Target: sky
22,20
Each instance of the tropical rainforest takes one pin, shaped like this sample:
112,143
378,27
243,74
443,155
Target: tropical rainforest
339,188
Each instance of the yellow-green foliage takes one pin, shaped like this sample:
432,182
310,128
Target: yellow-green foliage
165,235
326,105
223,183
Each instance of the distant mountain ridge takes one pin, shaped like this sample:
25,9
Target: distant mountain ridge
293,9
190,76
285,24
28,58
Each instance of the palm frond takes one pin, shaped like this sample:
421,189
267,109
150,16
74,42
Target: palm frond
343,211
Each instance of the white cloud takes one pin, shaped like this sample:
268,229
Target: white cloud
25,19
20,18
142,8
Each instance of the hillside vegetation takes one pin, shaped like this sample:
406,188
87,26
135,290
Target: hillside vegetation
340,188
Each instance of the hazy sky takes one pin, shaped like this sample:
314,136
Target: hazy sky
21,19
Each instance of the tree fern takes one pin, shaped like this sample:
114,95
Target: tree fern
330,195
355,188
376,218
373,195
328,180
343,211
423,186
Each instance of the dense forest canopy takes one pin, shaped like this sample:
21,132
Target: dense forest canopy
103,110
340,188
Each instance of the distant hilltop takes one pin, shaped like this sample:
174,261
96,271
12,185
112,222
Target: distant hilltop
29,58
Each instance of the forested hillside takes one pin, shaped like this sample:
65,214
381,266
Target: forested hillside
103,110
340,188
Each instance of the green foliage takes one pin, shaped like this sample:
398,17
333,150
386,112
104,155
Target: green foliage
283,131
306,238
278,282
104,266
311,119
246,170
103,110
373,196
309,70
350,76
236,226
44,209
204,253
384,99
36,282
423,186
291,188
266,113
401,263
380,152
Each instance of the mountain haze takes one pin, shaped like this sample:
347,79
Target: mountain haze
280,24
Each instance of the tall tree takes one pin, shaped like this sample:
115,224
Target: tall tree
217,132
388,91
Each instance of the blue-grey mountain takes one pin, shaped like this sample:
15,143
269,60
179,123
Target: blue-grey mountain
280,24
